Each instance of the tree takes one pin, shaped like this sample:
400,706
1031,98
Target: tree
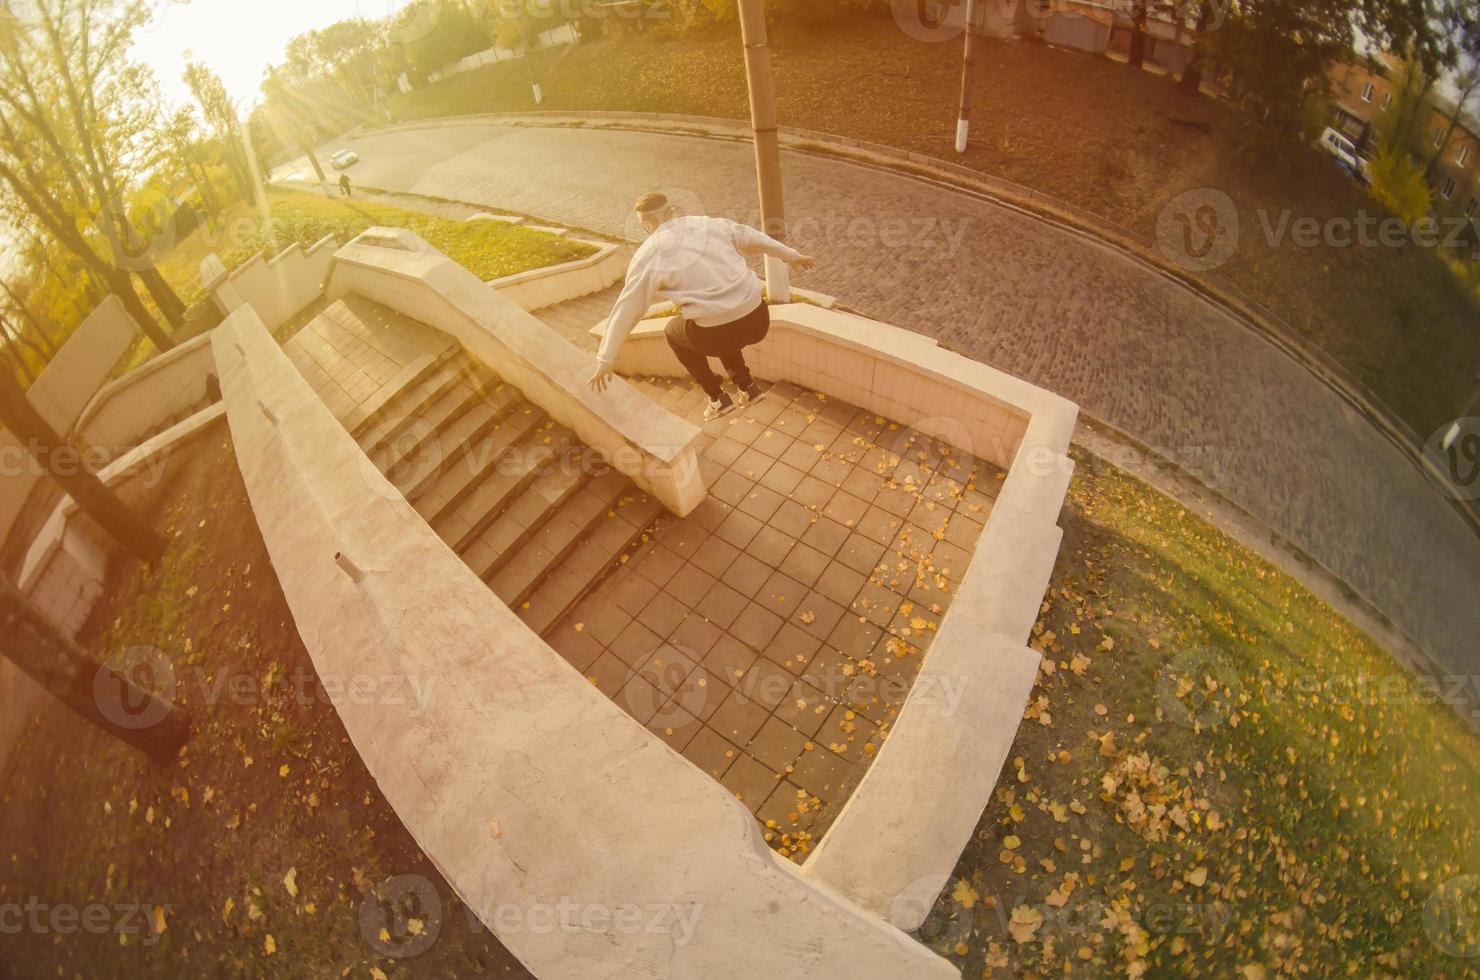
1398,184
283,107
1136,56
179,135
146,722
220,114
1276,52
1192,72
436,33
67,123
19,416
1400,127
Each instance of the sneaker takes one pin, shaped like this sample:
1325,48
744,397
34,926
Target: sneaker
744,396
718,407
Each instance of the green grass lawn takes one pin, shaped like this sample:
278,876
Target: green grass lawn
1096,134
489,248
1216,774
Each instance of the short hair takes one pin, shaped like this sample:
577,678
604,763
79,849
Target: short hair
651,202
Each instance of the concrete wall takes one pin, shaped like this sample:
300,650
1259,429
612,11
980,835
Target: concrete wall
564,34
897,839
64,569
276,288
539,288
125,409
897,373
396,268
59,394
527,788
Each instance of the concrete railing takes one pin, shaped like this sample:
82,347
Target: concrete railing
60,393
894,844
125,409
63,570
277,288
398,269
529,790
539,288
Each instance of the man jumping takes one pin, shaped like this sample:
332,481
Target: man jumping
698,264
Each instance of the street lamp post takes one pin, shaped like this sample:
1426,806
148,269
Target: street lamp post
534,82
767,144
968,66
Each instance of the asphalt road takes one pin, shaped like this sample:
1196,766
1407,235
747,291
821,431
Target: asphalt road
1133,348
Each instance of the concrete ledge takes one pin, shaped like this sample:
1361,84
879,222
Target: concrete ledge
652,446
162,387
539,288
898,373
892,847
524,784
63,570
897,839
278,288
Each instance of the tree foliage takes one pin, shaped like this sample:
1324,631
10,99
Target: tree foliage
1275,54
76,129
1398,184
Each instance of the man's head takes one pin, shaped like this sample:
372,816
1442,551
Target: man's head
653,209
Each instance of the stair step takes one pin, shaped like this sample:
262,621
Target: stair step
427,424
590,561
479,463
412,407
405,380
557,537
496,492
452,444
504,537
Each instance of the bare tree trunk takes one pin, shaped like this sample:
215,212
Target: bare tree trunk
1192,73
165,297
97,501
36,325
95,691
13,353
1137,54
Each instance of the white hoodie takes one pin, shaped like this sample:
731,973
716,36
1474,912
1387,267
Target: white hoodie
698,264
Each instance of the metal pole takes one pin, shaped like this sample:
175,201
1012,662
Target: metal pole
767,145
534,83
963,122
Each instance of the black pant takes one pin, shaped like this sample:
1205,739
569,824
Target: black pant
695,345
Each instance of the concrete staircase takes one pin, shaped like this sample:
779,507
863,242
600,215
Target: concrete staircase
532,511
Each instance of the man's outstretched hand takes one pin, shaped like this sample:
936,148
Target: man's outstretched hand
601,378
804,263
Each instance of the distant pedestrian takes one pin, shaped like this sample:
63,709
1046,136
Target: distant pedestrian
344,185
698,264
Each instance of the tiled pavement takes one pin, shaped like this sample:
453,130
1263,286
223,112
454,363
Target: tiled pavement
1142,352
355,351
771,636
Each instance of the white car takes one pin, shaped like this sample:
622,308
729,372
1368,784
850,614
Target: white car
343,159
1343,149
